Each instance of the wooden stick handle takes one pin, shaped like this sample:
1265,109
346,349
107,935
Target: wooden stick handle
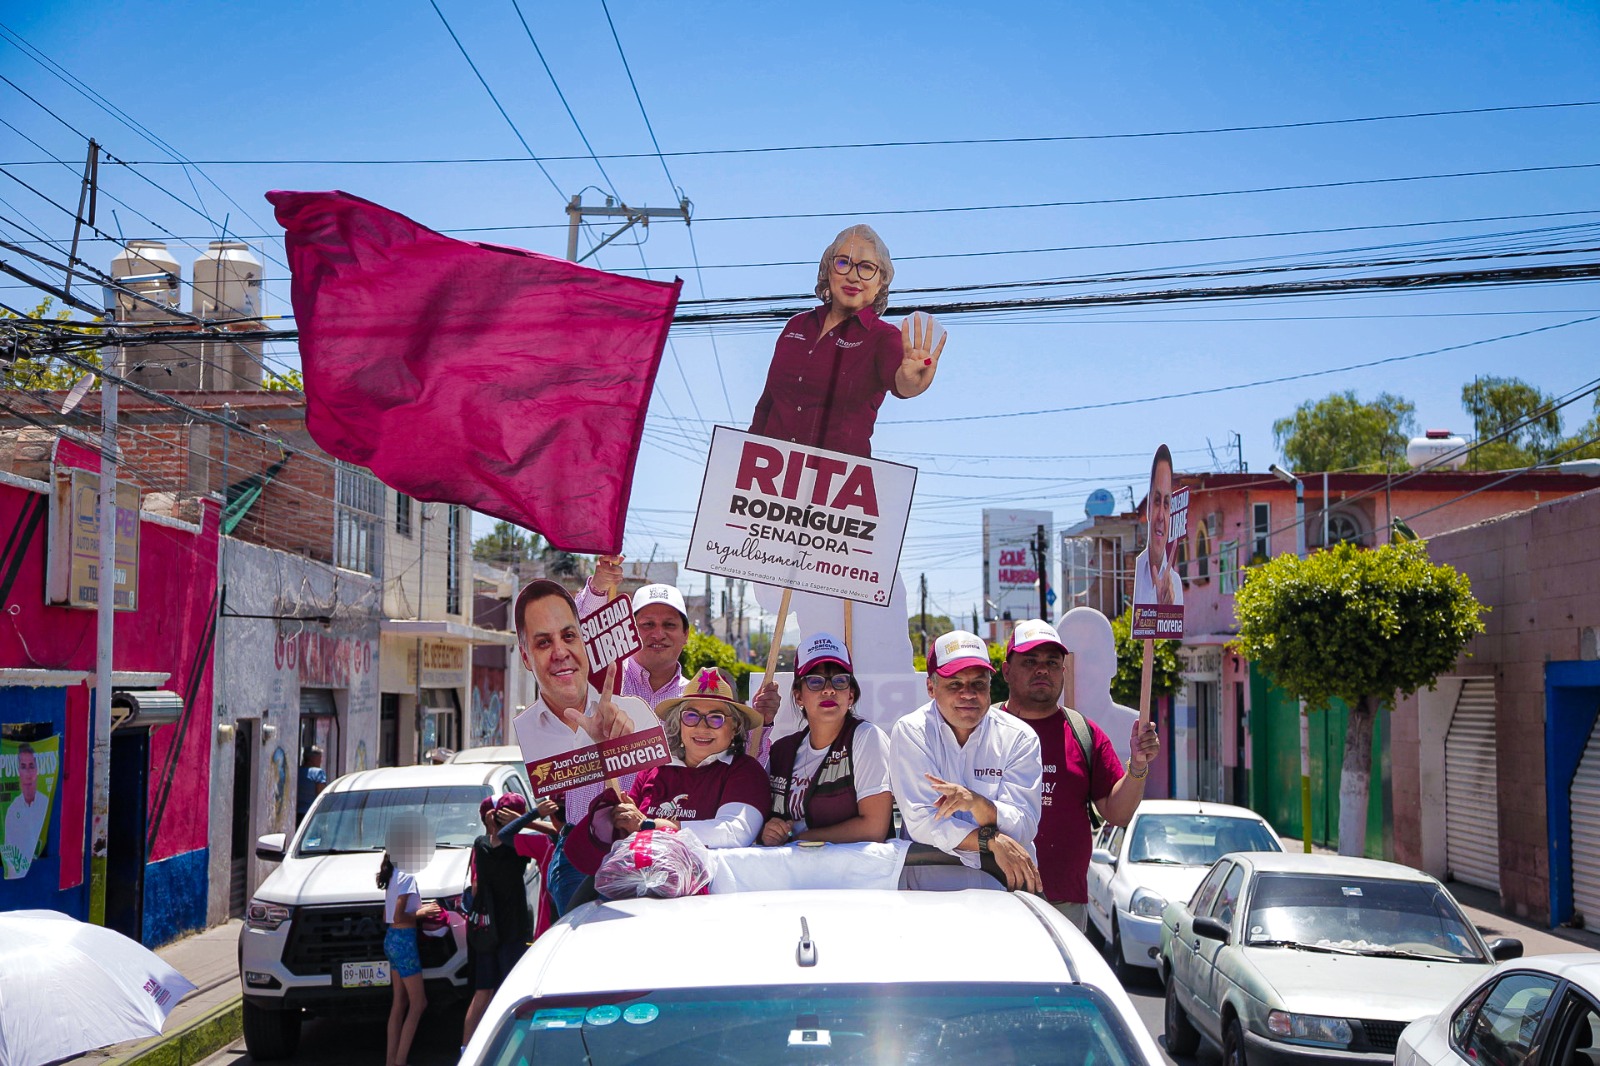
849,627
777,634
1144,681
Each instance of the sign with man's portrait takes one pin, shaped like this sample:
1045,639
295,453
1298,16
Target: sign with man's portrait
29,770
1157,585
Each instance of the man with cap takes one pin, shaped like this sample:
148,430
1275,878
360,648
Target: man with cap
966,775
1035,666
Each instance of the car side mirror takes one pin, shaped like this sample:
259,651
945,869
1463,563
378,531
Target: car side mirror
1103,856
1502,948
270,847
1212,929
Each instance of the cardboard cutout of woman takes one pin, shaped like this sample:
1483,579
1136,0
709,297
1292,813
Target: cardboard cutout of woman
831,369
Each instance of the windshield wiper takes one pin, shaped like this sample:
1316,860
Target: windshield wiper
1162,862
1402,953
1299,946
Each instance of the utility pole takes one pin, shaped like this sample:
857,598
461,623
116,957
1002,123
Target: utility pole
1044,579
105,619
577,212
923,623
710,632
86,195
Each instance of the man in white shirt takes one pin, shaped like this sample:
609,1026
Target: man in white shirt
569,713
967,778
26,816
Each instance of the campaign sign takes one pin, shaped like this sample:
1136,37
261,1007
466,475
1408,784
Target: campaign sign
800,517
560,757
609,636
1158,591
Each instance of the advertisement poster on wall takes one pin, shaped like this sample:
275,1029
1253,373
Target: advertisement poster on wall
30,765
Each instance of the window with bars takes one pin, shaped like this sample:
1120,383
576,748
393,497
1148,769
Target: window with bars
402,514
452,569
357,520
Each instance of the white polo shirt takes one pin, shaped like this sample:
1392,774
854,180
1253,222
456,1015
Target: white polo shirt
542,734
1000,761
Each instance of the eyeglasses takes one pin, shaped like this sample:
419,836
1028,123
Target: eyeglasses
838,682
715,719
865,269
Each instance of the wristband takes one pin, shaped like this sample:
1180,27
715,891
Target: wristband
1140,774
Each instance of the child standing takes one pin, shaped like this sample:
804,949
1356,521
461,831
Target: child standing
402,907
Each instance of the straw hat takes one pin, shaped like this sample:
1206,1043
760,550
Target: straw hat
709,684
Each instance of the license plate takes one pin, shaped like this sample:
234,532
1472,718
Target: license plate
365,974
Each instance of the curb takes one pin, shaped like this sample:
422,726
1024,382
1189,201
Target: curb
192,1042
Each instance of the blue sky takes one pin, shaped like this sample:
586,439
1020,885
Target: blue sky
367,80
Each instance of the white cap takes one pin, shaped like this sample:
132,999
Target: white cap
661,595
820,648
1032,632
956,651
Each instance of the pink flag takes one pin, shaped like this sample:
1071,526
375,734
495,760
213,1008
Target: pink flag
512,382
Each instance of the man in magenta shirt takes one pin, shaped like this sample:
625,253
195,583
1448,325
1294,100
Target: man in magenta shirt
1035,669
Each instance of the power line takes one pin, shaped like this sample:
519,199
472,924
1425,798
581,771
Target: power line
939,142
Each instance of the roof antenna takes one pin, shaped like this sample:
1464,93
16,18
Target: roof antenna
806,953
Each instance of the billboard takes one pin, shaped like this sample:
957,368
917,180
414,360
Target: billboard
1010,578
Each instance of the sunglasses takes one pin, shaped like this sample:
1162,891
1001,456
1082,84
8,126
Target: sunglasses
715,719
838,682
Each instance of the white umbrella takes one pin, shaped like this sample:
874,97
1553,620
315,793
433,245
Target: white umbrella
67,987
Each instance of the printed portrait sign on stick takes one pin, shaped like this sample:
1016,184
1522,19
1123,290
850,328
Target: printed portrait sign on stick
609,636
566,747
1157,586
801,517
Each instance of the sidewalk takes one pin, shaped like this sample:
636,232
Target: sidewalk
1483,909
205,1021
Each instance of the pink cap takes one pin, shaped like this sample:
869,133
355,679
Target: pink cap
957,651
1031,633
820,648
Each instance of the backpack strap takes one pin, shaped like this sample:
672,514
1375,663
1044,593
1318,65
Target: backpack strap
1085,738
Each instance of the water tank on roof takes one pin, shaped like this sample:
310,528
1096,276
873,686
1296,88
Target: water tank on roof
1099,504
1439,449
227,291
140,259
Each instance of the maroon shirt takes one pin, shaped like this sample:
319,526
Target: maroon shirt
1065,837
824,389
677,792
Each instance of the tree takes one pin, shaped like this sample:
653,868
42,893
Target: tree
937,624
507,545
288,381
1339,432
1361,625
1164,667
1585,443
24,368
1497,404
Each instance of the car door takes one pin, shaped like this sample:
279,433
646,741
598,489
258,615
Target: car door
1503,1028
1184,944
1101,876
1210,986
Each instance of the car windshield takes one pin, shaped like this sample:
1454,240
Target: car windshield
1367,915
359,821
990,1025
1195,839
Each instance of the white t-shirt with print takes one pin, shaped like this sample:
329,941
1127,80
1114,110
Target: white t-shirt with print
869,758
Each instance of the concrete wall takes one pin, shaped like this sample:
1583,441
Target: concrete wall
1539,573
263,663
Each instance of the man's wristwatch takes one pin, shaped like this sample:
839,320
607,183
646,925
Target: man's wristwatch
648,823
986,833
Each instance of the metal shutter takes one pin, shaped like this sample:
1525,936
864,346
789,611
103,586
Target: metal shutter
1585,798
1471,799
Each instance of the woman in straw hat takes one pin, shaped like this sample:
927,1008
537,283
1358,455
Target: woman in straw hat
711,789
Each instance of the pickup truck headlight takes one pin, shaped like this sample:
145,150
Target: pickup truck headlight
1147,904
1313,1028
261,915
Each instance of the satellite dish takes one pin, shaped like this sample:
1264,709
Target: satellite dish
1100,504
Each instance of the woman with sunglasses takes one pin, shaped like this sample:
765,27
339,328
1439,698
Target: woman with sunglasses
711,789
830,781
833,365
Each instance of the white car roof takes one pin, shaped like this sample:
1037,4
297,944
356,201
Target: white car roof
751,938
509,754
1219,810
1334,865
417,777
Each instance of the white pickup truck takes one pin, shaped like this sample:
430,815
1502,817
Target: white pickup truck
312,940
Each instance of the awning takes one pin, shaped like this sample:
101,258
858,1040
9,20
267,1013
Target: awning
431,629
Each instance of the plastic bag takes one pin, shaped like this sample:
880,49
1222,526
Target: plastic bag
661,863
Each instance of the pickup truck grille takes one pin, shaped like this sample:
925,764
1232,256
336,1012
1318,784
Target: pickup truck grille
322,938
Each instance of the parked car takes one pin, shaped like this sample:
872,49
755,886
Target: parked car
846,976
1162,855
312,939
1546,1006
1284,958
508,754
